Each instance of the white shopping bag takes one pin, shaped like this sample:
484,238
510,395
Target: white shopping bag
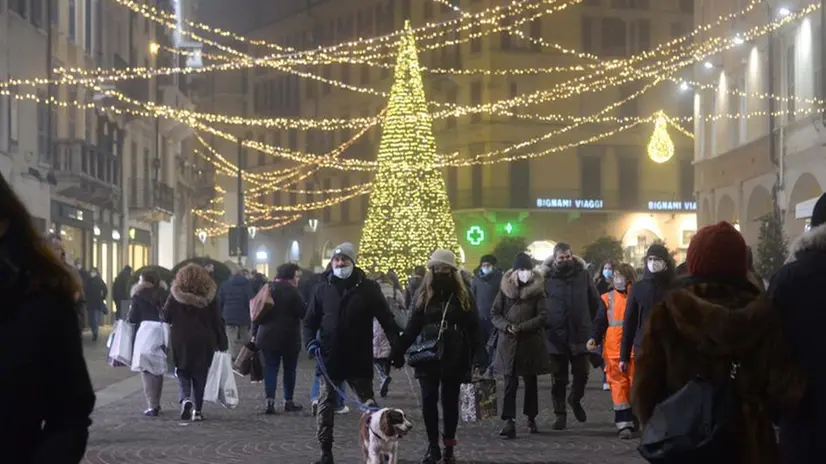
112,335
220,386
150,342
120,351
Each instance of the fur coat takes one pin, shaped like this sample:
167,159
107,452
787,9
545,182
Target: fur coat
700,329
197,327
526,309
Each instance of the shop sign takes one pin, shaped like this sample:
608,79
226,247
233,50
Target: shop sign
672,206
569,203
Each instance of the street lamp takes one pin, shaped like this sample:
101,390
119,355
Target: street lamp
783,12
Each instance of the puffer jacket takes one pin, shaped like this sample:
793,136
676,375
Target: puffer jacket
573,302
234,301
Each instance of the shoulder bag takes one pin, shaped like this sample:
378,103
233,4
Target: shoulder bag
428,351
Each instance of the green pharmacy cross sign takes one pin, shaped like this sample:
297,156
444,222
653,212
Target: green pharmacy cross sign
475,235
509,228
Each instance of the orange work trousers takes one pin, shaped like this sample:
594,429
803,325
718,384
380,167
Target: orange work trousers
620,383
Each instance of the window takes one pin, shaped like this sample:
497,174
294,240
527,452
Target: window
405,9
325,87
733,109
345,205
590,29
55,12
452,97
791,77
42,122
520,183
72,17
476,40
686,176
72,112
590,171
513,92
345,73
536,33
428,11
262,157
14,116
365,74
310,88
687,6
614,37
640,36
629,180
293,196
87,26
20,7
475,100
36,17
476,183
327,212
677,30
505,35
628,109
292,141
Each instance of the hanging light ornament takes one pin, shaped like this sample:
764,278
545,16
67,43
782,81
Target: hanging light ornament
660,147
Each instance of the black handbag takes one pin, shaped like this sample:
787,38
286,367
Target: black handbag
428,351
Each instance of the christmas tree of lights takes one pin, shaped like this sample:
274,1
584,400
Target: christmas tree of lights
409,212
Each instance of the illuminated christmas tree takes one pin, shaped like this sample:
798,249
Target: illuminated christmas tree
409,212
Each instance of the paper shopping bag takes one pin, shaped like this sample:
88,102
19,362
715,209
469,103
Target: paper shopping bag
243,363
120,352
478,400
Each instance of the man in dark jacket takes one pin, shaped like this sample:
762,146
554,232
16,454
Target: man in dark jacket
484,288
658,277
121,291
234,302
573,301
342,308
797,291
413,285
95,290
277,334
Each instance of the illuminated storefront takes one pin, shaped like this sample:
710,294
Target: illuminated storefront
75,226
140,247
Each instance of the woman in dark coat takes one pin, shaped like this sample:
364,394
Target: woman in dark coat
48,396
147,301
715,319
519,313
443,292
197,333
278,335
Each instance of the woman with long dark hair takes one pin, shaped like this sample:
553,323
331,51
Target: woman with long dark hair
443,308
48,396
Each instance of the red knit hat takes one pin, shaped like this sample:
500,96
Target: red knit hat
718,250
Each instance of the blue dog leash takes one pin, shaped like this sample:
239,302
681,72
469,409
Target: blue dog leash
361,406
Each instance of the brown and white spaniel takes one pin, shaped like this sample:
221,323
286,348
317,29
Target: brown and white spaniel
380,432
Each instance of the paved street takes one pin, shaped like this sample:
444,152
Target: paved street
120,434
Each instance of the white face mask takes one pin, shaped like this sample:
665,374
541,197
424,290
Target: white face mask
656,266
524,275
343,272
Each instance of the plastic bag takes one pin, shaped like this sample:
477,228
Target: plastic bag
150,348
220,386
120,351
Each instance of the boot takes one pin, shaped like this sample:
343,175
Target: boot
626,434
447,456
561,422
532,428
270,407
326,454
579,411
290,406
433,454
509,430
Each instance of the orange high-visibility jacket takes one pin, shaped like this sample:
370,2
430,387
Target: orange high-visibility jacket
615,303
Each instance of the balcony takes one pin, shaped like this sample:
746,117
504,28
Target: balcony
151,200
204,188
86,173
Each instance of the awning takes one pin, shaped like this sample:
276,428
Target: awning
803,210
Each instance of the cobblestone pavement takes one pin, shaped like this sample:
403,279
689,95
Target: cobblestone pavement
120,434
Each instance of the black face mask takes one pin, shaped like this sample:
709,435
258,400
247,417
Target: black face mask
443,281
565,266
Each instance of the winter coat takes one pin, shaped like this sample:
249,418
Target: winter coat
147,301
573,302
462,348
484,289
381,345
797,290
280,328
308,283
343,311
95,291
48,395
234,301
645,294
197,328
413,285
525,308
395,301
607,331
701,329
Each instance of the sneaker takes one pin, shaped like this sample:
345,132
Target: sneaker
314,407
509,430
290,406
606,387
152,412
579,411
385,387
270,408
343,410
197,416
561,422
626,434
186,410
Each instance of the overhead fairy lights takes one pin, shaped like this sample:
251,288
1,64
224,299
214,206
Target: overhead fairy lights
660,146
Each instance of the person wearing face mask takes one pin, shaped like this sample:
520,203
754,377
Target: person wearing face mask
604,278
573,301
520,313
95,291
484,288
443,296
338,330
608,333
656,281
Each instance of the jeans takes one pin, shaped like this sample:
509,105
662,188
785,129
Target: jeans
272,362
93,318
152,389
237,337
315,392
578,366
430,408
191,385
327,404
531,406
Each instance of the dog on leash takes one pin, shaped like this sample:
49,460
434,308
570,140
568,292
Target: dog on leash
380,432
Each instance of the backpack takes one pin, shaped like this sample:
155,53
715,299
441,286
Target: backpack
692,425
261,303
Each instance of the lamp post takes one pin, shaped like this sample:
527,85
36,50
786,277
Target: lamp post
240,185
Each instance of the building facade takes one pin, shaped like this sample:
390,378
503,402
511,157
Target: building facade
118,188
605,188
746,165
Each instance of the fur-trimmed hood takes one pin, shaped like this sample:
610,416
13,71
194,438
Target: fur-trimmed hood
548,269
145,285
814,239
193,287
510,286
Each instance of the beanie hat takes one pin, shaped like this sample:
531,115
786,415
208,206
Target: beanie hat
347,250
819,212
490,259
659,251
522,262
445,257
718,250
